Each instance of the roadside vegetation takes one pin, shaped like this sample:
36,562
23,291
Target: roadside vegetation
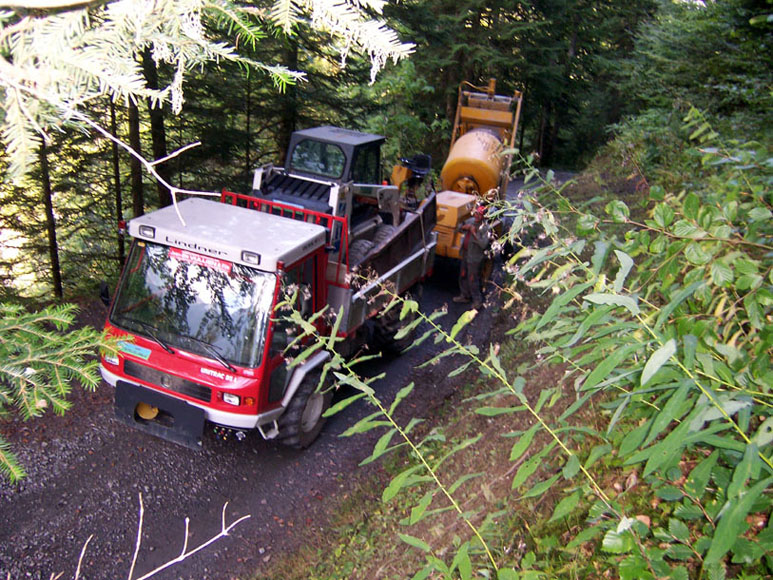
620,423
623,429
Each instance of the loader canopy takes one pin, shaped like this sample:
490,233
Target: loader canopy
336,154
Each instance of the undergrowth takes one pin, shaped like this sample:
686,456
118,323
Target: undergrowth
648,453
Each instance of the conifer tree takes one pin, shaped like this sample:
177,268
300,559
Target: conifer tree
562,53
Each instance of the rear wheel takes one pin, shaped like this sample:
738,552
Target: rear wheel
358,251
383,233
302,422
388,324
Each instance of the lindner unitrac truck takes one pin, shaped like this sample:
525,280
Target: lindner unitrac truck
200,340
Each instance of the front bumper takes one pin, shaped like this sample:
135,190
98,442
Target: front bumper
233,420
177,421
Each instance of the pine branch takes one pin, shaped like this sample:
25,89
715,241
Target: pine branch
9,465
284,14
53,65
39,365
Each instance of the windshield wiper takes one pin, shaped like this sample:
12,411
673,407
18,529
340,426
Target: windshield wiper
151,332
213,351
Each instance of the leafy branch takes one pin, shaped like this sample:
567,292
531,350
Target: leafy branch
666,359
346,375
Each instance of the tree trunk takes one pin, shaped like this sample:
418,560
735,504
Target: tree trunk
541,132
117,182
157,130
289,113
247,123
53,247
138,197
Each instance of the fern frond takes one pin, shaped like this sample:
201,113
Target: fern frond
285,14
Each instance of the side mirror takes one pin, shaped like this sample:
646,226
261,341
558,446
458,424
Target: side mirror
104,293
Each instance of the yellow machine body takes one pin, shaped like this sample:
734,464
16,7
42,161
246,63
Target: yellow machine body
453,209
399,175
485,125
474,164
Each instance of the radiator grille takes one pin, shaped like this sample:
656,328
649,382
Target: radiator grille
167,381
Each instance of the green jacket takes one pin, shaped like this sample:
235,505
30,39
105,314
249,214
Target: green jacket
475,243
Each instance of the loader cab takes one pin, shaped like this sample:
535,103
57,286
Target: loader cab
335,154
332,171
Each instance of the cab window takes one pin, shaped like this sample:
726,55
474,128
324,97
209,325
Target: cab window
366,165
324,159
297,284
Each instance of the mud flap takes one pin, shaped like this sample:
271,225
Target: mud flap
177,421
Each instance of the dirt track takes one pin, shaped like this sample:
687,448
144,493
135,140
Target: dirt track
86,472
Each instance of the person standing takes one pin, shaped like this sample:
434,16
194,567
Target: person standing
473,253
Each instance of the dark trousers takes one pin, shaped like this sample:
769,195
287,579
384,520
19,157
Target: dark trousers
469,280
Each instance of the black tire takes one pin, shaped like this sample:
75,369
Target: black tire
388,324
358,251
302,422
383,233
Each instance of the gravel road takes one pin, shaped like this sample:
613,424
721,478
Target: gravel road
87,471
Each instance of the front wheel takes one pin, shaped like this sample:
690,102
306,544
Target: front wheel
302,422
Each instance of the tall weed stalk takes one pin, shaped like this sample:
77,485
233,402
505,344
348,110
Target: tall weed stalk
660,314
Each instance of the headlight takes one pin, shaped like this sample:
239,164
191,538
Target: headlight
231,399
147,232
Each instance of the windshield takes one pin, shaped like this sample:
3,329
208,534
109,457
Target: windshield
325,159
190,301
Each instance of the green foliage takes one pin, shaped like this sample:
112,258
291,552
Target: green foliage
733,73
562,54
673,329
57,60
395,96
667,358
40,361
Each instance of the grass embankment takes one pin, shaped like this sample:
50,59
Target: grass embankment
372,538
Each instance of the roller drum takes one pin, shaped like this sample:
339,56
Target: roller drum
474,164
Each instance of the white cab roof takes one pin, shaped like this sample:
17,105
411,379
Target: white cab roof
225,231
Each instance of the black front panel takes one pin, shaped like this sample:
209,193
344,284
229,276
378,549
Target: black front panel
176,420
167,381
284,188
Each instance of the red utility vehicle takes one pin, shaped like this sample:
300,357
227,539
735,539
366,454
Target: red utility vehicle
196,300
